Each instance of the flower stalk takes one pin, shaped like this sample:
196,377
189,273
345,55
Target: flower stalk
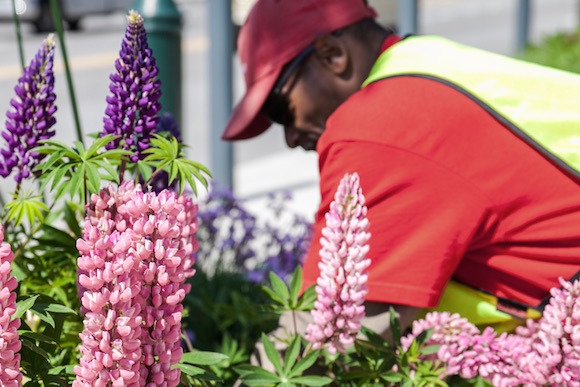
136,253
133,105
341,287
31,116
10,345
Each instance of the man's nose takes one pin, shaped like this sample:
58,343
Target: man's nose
292,136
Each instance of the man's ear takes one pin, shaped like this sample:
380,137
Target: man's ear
332,53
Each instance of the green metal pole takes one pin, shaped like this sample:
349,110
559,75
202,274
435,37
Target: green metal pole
163,23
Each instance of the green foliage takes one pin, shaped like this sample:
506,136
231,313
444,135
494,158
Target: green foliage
82,169
227,314
26,205
287,297
166,154
288,370
561,51
194,367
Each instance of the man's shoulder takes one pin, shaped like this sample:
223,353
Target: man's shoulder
397,111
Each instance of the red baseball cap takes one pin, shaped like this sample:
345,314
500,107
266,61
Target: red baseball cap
274,33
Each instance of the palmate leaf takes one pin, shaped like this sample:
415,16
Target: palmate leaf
26,205
76,170
166,154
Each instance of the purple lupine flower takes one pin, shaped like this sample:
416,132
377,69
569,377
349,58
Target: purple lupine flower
136,254
10,345
341,286
133,105
31,116
542,353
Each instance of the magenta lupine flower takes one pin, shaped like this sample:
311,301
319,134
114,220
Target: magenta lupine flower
10,374
341,286
31,116
542,353
133,105
136,253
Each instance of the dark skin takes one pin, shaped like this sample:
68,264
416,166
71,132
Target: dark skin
331,74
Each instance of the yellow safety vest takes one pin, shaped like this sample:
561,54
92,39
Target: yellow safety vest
538,104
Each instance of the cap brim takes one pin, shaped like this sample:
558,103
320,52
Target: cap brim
246,120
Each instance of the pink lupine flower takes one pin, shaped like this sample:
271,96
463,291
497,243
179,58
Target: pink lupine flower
10,374
341,286
136,253
541,353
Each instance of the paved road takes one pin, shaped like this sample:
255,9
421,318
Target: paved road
264,163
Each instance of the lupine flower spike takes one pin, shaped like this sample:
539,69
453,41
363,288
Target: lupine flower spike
136,253
133,105
545,352
10,375
31,116
341,287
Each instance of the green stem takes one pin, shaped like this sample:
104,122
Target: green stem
16,19
56,17
122,168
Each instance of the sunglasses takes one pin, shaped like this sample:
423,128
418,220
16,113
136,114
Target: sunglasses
277,105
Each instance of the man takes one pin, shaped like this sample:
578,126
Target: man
468,160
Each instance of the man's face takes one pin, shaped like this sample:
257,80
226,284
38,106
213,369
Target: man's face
301,103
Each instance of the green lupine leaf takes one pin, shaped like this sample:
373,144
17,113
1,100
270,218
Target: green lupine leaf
145,171
430,349
174,170
112,174
23,305
203,358
80,148
312,380
58,308
303,364
93,178
295,285
40,311
260,378
57,175
63,188
392,377
291,355
75,183
395,327
189,369
68,369
71,220
53,159
37,337
35,348
273,295
98,144
28,205
272,353
306,302
182,178
192,183
280,287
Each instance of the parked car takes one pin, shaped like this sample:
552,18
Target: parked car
38,11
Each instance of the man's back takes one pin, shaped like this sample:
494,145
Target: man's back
451,192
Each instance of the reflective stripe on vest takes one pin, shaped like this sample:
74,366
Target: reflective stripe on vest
538,104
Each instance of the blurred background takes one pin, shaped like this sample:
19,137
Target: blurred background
262,165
